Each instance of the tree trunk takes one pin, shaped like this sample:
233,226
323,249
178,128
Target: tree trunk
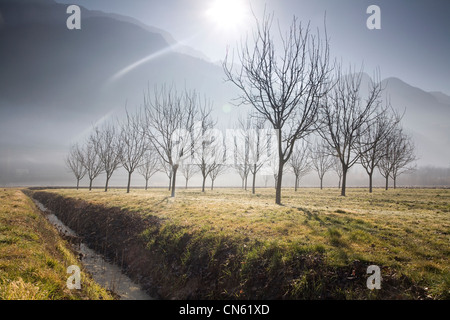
279,181
246,178
387,182
203,183
344,181
174,178
106,184
212,184
296,183
370,183
90,184
78,183
186,183
129,181
395,182
321,183
146,184
254,180
339,183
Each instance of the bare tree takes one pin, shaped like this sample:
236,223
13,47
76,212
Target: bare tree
255,146
374,135
134,144
321,160
74,161
108,146
206,145
91,161
403,156
300,162
243,169
398,156
150,165
188,170
284,87
217,159
170,118
216,171
344,114
241,153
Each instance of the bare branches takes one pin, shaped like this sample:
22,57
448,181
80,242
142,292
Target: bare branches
108,146
134,144
150,165
321,160
398,155
188,171
91,161
75,162
283,86
373,138
300,162
344,115
218,169
252,145
207,145
170,118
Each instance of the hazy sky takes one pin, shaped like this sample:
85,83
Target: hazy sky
65,95
412,44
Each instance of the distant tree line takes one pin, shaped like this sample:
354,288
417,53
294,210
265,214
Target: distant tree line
322,116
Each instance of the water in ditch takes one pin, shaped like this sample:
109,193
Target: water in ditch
104,273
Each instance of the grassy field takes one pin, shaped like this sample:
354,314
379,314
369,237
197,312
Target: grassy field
33,257
405,232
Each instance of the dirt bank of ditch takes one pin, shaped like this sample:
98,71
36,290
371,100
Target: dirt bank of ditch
171,263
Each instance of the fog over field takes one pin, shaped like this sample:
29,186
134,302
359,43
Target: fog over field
57,83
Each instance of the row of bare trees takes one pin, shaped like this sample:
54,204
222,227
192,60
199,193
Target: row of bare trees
126,144
294,87
171,126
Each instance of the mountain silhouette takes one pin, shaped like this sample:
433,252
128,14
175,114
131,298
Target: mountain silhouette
426,118
55,82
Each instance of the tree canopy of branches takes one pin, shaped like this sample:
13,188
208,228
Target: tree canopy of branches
207,144
108,147
300,162
373,138
134,144
321,160
74,161
241,161
344,114
282,84
150,165
170,118
91,161
216,171
188,170
255,143
398,155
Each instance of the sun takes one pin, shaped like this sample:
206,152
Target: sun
227,14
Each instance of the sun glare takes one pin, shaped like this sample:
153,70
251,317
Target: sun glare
227,14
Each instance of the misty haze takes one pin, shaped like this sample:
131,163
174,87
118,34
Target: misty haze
249,149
